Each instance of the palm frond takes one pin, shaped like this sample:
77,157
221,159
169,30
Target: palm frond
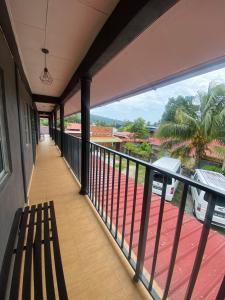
170,143
183,150
182,132
220,118
183,118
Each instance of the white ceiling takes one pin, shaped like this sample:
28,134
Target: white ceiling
187,36
72,27
48,107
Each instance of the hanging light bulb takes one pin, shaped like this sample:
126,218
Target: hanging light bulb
46,77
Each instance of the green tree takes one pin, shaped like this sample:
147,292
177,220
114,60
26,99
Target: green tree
192,133
143,150
139,129
131,147
44,122
102,123
73,119
126,126
184,103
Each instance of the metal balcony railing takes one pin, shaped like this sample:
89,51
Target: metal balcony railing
120,189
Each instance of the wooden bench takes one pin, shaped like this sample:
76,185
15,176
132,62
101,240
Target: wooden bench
32,266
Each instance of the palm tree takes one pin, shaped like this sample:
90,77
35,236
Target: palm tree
191,134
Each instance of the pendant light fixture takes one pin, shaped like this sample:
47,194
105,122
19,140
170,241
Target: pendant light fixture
46,77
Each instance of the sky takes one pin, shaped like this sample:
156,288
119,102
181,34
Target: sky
150,105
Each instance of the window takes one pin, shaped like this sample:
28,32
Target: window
4,156
27,123
220,201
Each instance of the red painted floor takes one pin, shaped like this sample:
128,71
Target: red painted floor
213,264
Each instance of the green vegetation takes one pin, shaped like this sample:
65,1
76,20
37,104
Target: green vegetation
191,131
143,150
137,127
98,120
72,119
184,103
221,151
214,169
106,122
132,169
44,122
178,194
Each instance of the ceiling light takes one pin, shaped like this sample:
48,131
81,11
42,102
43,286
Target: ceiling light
46,77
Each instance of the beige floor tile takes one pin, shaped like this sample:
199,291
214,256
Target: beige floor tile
93,266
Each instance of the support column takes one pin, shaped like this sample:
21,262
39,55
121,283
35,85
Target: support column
39,126
36,126
55,124
61,126
49,126
85,132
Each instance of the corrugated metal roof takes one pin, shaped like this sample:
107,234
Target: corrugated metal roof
213,264
167,163
213,179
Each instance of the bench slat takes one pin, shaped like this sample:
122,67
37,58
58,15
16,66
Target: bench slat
48,262
58,262
26,293
38,290
23,243
14,291
4,274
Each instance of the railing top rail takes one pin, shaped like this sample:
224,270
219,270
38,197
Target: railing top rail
165,172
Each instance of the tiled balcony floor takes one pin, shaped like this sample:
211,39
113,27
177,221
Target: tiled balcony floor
93,266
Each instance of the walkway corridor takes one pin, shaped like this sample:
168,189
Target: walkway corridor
93,267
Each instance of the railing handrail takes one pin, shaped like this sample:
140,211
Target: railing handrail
181,178
165,172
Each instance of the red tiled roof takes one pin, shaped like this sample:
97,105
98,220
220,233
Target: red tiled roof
124,134
211,152
152,140
74,126
155,141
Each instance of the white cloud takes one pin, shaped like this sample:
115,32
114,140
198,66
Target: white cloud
150,105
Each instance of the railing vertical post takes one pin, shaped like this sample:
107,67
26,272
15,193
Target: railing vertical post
55,124
61,126
85,132
144,222
201,246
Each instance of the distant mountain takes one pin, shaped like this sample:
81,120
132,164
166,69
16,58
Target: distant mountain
98,120
107,121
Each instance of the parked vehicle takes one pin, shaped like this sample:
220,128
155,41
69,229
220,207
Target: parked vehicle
199,197
172,165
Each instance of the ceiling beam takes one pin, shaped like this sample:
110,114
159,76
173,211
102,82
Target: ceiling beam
6,26
127,21
45,99
47,113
